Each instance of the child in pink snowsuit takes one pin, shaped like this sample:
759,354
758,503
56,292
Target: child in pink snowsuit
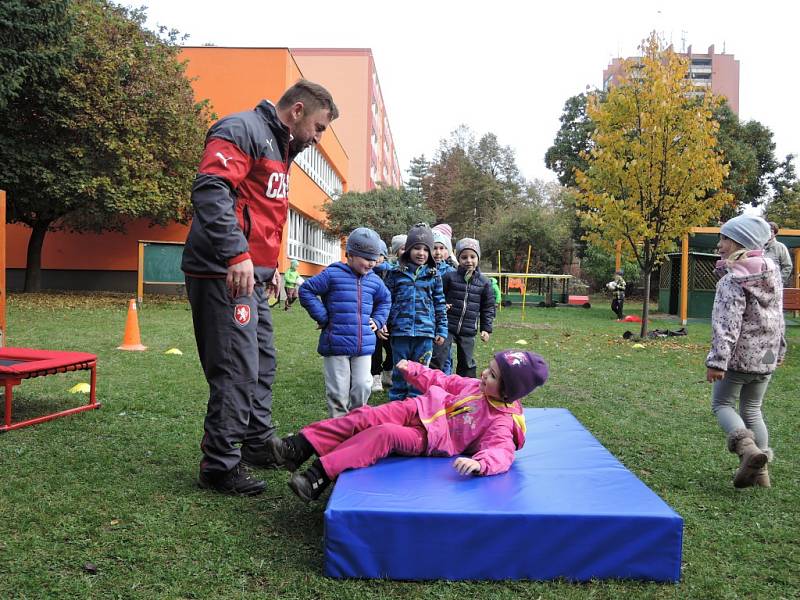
453,415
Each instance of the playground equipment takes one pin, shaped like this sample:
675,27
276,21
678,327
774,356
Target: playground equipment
17,364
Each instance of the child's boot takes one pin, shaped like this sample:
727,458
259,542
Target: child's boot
310,484
290,452
751,457
762,479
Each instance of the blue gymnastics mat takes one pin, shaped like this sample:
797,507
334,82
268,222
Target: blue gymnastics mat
566,509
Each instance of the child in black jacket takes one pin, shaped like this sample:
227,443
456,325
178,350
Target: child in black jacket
470,301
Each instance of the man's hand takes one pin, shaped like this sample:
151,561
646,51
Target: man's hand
240,279
713,375
466,466
273,288
438,340
484,336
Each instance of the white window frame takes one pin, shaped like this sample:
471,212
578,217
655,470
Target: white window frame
308,242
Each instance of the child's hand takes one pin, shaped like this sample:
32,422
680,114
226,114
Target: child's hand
713,375
466,466
484,336
372,325
448,306
383,333
438,340
402,366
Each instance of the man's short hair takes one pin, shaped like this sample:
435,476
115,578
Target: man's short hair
774,226
313,96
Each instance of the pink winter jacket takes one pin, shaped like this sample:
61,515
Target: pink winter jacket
747,328
459,419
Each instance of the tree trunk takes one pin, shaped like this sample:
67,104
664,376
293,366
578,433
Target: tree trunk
646,305
33,267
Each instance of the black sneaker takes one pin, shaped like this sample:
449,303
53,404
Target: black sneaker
289,452
310,484
239,481
258,457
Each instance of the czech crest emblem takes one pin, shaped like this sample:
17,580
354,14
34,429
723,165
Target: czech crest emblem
241,313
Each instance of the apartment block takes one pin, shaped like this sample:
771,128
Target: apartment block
363,126
709,70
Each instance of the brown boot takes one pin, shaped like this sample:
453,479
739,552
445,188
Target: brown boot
762,479
751,457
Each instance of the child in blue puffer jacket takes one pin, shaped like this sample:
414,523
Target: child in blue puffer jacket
349,303
418,317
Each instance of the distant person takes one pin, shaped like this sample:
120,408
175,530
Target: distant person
470,308
381,368
290,284
617,288
418,318
482,418
498,294
747,343
349,303
240,200
779,253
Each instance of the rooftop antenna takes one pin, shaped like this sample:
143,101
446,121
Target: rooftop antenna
683,41
723,46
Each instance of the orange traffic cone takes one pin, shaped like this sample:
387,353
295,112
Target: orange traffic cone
132,340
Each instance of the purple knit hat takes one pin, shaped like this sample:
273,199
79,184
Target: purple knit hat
521,372
444,229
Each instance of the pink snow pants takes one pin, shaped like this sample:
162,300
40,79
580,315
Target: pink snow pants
367,434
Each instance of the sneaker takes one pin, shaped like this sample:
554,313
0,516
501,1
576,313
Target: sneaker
258,457
386,379
377,386
290,452
309,484
239,481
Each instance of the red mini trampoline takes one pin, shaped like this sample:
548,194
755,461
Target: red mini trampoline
17,364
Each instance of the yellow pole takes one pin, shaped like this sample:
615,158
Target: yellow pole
500,279
618,256
525,285
140,275
684,310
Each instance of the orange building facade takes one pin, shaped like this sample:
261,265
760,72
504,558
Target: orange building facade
350,75
233,80
718,72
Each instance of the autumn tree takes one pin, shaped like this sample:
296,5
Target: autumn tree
655,170
784,207
468,179
387,210
112,135
31,35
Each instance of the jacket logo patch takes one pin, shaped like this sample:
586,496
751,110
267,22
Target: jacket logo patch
268,142
224,159
277,185
241,314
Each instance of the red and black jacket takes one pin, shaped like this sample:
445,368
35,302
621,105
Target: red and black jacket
240,194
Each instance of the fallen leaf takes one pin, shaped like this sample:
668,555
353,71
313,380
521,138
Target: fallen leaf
90,568
523,342
80,388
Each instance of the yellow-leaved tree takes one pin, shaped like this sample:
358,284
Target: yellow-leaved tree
654,169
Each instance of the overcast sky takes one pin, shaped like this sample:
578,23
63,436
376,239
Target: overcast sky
508,66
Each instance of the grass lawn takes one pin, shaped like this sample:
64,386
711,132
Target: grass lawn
116,488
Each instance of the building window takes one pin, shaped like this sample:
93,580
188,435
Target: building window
308,242
320,171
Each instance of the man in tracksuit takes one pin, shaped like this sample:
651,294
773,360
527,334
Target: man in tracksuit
240,200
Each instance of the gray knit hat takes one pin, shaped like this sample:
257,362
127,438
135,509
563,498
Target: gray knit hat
398,242
365,243
420,234
468,244
441,238
748,231
384,250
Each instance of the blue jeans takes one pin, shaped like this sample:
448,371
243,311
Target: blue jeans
415,349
